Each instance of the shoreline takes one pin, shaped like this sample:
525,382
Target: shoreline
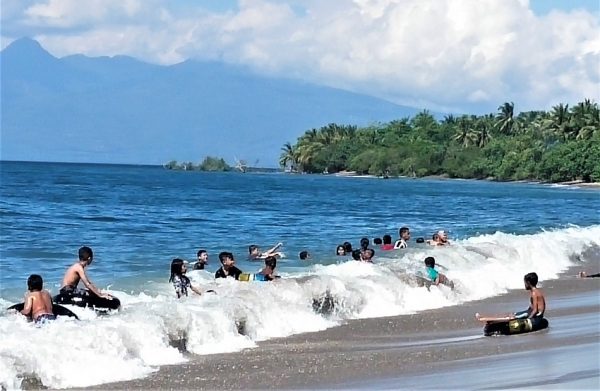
365,353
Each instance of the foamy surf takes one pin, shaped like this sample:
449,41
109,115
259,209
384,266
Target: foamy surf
156,329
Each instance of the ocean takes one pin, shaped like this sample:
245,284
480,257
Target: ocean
138,218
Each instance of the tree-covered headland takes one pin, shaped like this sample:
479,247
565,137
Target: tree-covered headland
560,145
209,163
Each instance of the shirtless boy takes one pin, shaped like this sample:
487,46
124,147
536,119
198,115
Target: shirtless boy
537,304
76,273
38,302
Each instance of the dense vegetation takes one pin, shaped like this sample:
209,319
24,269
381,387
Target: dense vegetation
560,145
208,164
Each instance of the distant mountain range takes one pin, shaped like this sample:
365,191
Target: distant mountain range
121,110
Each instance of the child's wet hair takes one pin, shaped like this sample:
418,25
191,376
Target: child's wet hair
176,266
430,261
364,243
347,247
224,255
356,255
271,262
35,283
531,279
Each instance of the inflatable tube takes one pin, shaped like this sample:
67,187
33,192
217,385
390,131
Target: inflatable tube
86,299
515,326
57,310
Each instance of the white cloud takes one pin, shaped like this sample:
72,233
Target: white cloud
445,54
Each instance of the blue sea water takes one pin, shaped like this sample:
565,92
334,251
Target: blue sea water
137,218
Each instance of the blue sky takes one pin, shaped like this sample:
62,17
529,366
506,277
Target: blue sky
542,7
444,54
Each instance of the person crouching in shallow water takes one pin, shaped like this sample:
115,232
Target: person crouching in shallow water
202,257
340,251
266,274
347,247
367,255
435,238
180,281
387,243
404,237
38,302
442,238
537,301
436,277
364,244
227,268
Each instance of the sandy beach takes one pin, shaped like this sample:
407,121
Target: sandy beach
437,349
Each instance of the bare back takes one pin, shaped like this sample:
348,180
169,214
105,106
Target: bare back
538,301
73,275
38,303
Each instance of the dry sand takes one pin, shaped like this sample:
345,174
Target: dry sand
441,348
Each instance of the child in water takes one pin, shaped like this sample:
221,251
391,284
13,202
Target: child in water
255,253
436,277
266,274
38,302
180,281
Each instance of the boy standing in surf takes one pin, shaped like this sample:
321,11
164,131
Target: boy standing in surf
227,269
404,234
76,273
38,302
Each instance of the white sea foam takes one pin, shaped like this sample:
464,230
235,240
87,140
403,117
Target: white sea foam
153,327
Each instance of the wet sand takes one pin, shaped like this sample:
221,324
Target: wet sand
436,349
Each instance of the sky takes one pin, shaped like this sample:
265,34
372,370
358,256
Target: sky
446,55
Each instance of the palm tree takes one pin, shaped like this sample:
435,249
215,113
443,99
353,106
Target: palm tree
288,156
559,120
482,133
505,117
464,134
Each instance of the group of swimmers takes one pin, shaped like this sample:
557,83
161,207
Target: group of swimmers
182,283
38,302
439,238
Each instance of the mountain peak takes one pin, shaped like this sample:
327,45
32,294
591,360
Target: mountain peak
26,48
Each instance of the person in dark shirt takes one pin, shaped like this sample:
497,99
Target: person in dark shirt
202,260
227,269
